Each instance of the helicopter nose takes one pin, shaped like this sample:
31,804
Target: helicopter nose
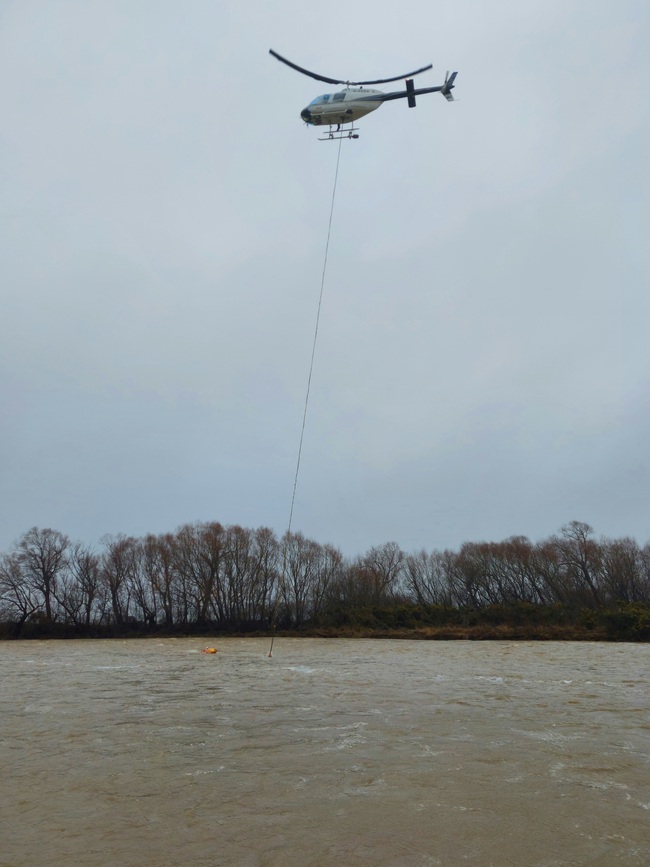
305,114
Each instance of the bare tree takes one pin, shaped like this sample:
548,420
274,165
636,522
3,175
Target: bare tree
467,577
383,565
329,568
426,578
201,551
266,556
644,579
250,568
301,558
160,571
140,589
116,566
18,600
42,556
80,592
213,547
551,579
581,559
622,568
523,576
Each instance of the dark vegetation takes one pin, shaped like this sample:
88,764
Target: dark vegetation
207,578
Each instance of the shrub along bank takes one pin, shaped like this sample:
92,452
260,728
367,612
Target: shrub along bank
524,622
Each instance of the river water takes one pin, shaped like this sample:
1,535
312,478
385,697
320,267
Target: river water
332,752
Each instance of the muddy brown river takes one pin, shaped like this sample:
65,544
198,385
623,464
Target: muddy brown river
333,752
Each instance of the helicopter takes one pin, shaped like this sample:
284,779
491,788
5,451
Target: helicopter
356,100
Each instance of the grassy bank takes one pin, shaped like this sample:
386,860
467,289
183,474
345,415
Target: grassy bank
501,632
522,622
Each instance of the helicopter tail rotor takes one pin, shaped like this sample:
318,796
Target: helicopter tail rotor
449,86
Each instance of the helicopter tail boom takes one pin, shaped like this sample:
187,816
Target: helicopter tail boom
411,91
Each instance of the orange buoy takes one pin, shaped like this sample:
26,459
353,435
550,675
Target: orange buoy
209,650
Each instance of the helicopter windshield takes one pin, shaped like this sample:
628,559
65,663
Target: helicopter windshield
320,99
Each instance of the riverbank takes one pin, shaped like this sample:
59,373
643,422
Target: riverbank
502,632
429,623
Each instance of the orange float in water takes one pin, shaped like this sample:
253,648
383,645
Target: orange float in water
209,650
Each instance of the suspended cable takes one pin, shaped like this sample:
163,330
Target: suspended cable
308,391
313,348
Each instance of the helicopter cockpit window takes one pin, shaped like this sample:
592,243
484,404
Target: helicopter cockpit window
320,99
339,96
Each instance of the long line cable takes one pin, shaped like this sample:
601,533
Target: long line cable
313,348
311,370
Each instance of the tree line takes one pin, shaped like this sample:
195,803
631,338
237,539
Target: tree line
237,579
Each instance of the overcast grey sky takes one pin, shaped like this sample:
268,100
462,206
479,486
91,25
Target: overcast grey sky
483,360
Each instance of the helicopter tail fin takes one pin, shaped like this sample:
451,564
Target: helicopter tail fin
410,98
449,86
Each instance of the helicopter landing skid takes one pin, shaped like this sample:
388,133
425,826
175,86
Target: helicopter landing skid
336,134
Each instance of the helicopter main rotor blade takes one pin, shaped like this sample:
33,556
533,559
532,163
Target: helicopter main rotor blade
306,71
342,80
396,77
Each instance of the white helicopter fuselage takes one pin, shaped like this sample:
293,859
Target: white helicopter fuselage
345,106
